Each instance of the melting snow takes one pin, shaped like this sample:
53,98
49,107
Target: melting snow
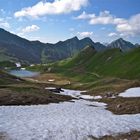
18,64
65,121
74,120
97,97
72,93
86,97
132,92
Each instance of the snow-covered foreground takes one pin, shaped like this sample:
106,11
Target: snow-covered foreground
64,121
75,120
132,92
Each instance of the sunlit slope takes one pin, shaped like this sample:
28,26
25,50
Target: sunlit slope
112,62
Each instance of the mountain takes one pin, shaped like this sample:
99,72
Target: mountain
137,45
121,44
68,48
64,49
15,48
19,49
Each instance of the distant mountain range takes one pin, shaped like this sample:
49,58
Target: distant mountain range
15,48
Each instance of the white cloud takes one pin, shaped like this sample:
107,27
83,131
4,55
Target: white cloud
85,34
85,16
131,27
28,29
103,18
48,8
125,27
4,24
31,28
106,18
112,34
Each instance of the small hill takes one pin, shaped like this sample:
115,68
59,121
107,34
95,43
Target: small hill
81,58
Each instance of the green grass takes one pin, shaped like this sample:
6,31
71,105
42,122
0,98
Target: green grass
110,63
90,66
7,64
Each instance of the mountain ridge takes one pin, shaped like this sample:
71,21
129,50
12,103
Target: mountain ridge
20,49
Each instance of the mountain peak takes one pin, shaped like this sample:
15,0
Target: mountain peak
87,39
121,39
75,38
121,44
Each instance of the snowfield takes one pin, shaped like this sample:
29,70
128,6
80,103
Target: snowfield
75,120
132,92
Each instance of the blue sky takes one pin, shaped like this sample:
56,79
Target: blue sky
54,20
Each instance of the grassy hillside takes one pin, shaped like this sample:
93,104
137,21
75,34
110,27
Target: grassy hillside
6,78
90,65
116,63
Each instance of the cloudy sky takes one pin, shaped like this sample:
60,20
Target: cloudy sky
54,20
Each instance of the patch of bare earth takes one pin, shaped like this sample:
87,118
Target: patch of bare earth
4,136
121,105
50,78
28,95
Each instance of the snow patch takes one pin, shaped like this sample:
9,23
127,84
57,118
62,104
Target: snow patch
86,97
75,94
90,97
51,80
132,92
18,64
97,97
72,93
65,121
50,88
23,68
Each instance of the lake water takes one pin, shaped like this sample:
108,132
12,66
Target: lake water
23,73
